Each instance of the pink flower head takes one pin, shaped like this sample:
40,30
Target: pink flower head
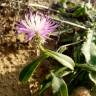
36,23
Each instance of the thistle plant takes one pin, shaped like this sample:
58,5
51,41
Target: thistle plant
38,27
81,63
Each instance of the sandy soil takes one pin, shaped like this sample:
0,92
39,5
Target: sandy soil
14,53
12,58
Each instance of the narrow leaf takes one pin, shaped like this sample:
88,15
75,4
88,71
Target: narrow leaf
63,59
45,84
29,69
92,76
61,72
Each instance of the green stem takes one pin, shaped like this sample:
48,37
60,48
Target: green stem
71,23
63,47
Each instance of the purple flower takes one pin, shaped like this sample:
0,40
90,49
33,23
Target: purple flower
36,24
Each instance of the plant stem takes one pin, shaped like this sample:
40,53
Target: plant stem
71,23
74,43
67,45
42,6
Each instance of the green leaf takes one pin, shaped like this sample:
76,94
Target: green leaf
87,67
30,69
61,72
81,10
45,84
89,47
63,1
92,76
63,59
59,86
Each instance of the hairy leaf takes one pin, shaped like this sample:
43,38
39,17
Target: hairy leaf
89,47
59,86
